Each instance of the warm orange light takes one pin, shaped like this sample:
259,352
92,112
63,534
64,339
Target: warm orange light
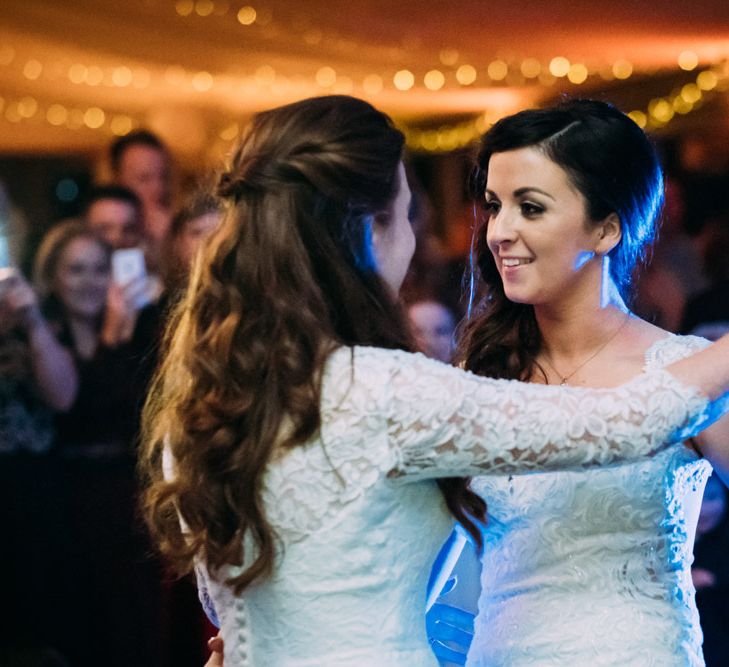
546,78
326,76
121,76
372,84
56,114
688,60
497,70
707,80
175,75
75,119
27,107
265,75
264,16
32,70
94,118
204,7
681,106
578,73
434,80
313,37
343,85
622,69
121,125
448,57
531,68
77,73
94,75
404,79
559,66
230,132
482,123
660,110
639,118
184,7
691,93
202,81
12,113
246,15
7,54
141,77
466,75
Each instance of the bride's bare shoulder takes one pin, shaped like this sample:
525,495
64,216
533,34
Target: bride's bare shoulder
644,334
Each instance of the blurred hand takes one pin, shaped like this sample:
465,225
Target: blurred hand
121,311
215,644
450,631
18,301
702,578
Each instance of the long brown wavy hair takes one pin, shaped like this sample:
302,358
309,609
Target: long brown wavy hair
288,277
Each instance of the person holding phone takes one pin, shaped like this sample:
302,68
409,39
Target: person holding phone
114,213
113,348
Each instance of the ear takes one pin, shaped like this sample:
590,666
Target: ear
367,261
609,234
378,224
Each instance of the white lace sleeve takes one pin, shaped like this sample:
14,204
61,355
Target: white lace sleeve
443,421
203,594
201,576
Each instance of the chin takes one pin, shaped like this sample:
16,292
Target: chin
517,296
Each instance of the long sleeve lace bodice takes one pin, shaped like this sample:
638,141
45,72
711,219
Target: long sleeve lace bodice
360,518
593,567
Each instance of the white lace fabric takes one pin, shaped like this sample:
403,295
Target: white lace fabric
593,567
360,518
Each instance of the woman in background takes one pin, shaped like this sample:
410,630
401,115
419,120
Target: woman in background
116,591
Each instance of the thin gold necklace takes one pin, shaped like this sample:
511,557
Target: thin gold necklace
590,358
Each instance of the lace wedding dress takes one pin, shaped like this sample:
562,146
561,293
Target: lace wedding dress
360,518
594,567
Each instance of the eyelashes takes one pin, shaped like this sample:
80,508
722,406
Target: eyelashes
531,210
528,209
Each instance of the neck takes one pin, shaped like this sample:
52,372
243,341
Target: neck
84,334
570,330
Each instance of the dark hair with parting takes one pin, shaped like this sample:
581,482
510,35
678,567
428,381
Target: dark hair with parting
611,162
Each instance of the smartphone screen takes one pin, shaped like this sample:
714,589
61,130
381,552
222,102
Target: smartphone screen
127,265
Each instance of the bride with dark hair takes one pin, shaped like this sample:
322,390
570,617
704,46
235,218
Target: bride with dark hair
293,441
593,566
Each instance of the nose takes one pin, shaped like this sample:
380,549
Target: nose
501,228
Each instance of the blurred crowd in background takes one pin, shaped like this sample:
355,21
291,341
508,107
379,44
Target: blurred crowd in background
82,311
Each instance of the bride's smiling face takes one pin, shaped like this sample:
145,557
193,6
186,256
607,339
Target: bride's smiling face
538,228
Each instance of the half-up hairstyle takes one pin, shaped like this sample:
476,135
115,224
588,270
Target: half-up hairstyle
611,162
286,278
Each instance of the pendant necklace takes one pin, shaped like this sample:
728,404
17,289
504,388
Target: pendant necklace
564,378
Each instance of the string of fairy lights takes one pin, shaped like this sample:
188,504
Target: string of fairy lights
451,72
658,113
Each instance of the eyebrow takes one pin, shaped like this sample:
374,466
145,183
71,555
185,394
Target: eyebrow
523,191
